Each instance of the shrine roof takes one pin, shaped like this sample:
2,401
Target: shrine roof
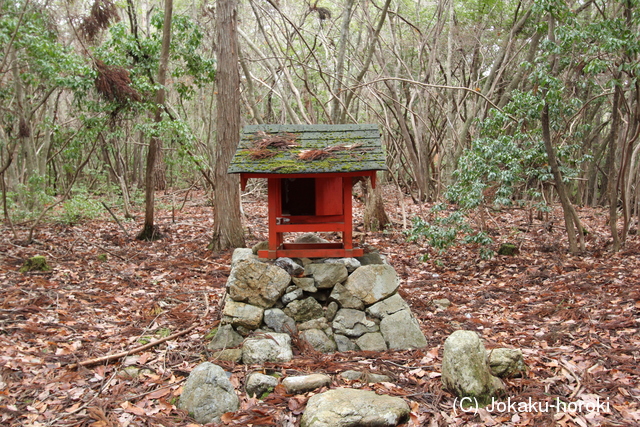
289,149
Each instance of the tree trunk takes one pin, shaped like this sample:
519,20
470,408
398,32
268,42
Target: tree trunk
375,217
149,230
227,222
612,187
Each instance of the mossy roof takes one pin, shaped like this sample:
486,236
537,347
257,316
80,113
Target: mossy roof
335,148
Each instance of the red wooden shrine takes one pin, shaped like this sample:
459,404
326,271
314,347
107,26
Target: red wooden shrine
310,171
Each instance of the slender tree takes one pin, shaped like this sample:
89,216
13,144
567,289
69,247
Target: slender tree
149,230
227,222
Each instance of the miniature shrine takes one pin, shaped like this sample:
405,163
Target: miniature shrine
309,171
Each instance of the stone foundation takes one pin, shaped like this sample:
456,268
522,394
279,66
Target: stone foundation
334,304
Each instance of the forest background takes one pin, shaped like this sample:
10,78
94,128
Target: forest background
488,110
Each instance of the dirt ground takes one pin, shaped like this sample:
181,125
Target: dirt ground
575,318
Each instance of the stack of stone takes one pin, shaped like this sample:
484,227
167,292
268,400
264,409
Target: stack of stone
334,304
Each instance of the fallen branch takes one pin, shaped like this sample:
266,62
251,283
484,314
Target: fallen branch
120,355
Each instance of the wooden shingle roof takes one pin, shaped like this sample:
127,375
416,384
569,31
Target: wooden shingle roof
288,149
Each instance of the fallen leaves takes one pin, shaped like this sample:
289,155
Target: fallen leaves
574,317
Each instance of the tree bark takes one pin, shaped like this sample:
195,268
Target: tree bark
227,221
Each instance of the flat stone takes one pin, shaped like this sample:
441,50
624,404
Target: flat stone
273,347
354,408
371,258
441,303
373,283
292,296
304,310
257,283
332,309
225,337
353,323
372,341
401,331
208,393
310,238
229,355
303,383
277,320
307,284
344,343
350,263
365,377
319,340
290,266
241,314
387,306
258,384
326,275
345,299
319,323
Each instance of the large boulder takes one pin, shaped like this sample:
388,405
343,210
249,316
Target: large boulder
354,408
346,300
257,283
319,340
401,331
208,394
465,369
373,283
272,347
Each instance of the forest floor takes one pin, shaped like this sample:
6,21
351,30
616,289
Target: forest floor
575,318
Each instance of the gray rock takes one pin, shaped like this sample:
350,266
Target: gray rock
350,263
304,310
319,340
332,309
277,320
354,408
465,369
344,343
272,347
258,384
208,393
261,246
225,337
257,283
290,266
353,323
373,341
292,296
345,299
326,275
373,283
387,306
241,314
229,355
441,303
401,331
371,258
307,284
310,238
365,377
303,383
241,254
319,323
506,362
